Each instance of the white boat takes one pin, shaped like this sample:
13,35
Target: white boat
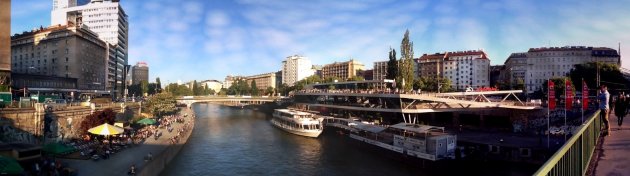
297,122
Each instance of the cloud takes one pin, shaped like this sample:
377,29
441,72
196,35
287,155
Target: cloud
217,19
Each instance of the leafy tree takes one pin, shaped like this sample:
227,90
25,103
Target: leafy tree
162,104
519,84
356,78
254,89
609,75
158,85
152,88
195,88
331,79
178,90
558,86
419,83
406,63
392,65
223,91
144,87
269,91
97,118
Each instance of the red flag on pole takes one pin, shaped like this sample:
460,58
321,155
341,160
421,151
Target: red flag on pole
568,93
552,95
584,95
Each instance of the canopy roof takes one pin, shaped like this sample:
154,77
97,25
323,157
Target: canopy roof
416,128
368,127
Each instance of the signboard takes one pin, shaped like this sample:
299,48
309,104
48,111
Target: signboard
568,95
552,95
584,95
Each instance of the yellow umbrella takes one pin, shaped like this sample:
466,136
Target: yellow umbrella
106,130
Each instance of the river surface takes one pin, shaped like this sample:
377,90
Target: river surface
228,141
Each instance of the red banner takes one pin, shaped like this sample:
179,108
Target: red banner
584,95
569,95
552,95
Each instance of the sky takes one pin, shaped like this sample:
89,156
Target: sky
199,39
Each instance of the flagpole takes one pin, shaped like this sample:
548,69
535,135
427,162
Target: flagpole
548,107
565,109
582,108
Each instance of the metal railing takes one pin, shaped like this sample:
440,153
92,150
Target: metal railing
574,156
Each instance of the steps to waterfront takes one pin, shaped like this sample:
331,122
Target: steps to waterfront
615,154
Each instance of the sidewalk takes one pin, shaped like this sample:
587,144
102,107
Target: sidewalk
119,163
615,157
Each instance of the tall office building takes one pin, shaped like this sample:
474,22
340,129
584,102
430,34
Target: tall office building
107,19
263,81
140,72
380,70
60,52
539,64
342,70
296,68
5,43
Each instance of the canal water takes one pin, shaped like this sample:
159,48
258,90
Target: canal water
228,141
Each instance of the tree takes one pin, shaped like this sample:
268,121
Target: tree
269,91
419,84
97,118
195,88
331,79
356,78
519,84
162,104
392,65
152,88
223,91
609,75
254,89
558,86
144,87
405,78
158,85
178,90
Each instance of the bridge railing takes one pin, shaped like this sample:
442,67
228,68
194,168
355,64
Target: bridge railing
574,156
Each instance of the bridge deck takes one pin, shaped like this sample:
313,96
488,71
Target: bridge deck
614,159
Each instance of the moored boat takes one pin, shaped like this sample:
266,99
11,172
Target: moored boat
297,122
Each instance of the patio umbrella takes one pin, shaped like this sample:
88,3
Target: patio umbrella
10,166
146,121
106,130
56,148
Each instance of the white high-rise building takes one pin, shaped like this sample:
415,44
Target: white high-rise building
296,68
108,20
380,70
537,65
467,69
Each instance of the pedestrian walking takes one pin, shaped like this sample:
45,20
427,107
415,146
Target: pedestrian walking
621,106
604,98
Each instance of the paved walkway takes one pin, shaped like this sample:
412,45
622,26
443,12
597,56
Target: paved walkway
119,163
615,157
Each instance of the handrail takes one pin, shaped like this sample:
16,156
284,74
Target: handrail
574,156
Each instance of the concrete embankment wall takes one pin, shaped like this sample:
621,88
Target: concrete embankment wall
160,161
26,125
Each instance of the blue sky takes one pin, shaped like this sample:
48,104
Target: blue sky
198,39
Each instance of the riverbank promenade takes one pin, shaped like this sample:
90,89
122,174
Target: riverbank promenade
615,156
119,163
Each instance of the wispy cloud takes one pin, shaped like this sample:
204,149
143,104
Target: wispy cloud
195,39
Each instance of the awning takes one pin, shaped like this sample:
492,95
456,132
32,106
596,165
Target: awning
417,128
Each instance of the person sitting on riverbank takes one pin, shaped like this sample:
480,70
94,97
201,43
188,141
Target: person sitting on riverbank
132,170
